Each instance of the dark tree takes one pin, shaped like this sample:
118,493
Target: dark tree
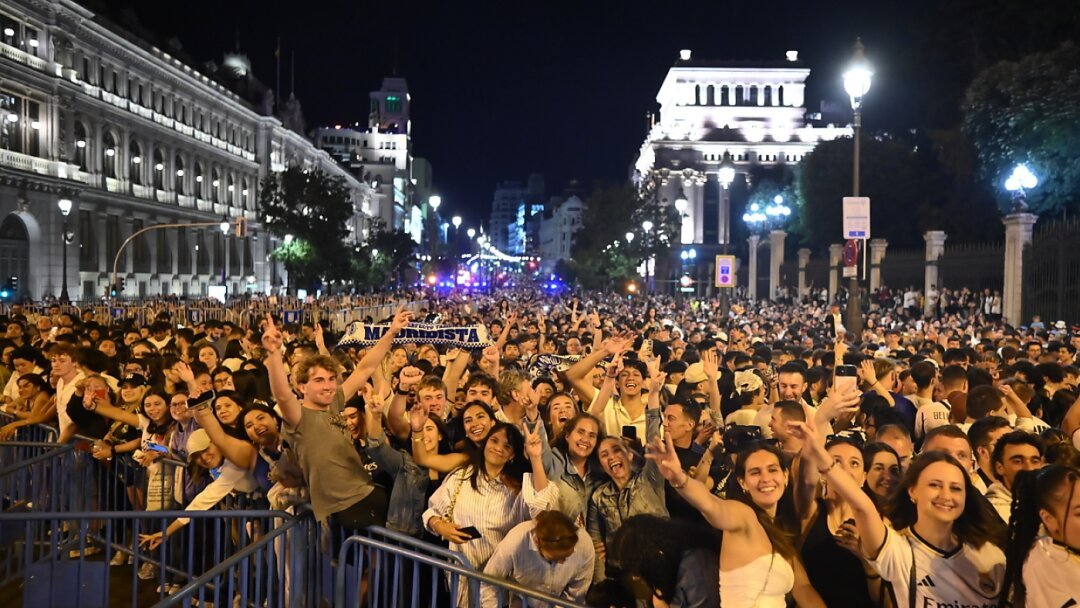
1028,111
314,208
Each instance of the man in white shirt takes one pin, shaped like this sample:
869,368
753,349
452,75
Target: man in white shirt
62,358
1016,451
549,554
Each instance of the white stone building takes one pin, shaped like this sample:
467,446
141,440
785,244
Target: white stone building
557,228
750,112
380,154
134,137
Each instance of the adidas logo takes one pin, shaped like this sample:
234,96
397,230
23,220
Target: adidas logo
927,582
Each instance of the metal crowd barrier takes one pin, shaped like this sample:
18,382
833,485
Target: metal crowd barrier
96,559
272,572
244,313
379,569
27,477
35,433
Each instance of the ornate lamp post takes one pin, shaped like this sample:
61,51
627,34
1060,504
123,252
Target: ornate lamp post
65,208
857,81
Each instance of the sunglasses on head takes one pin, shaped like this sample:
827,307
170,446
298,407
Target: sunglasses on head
853,437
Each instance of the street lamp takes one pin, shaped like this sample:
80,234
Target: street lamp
629,237
433,205
65,208
857,81
471,233
1021,180
224,225
726,176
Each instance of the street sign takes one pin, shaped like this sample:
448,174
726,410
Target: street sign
725,271
856,217
851,271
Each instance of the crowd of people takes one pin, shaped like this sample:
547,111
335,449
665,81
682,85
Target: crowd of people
609,450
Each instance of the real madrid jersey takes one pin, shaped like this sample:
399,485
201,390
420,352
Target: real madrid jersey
966,576
1052,575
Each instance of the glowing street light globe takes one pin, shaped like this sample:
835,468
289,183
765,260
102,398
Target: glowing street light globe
629,237
858,76
647,226
1021,178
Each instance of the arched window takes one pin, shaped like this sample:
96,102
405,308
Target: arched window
753,95
215,187
245,194
80,145
108,155
710,95
697,94
739,92
178,184
230,192
159,169
136,159
725,96
199,189
768,95
780,95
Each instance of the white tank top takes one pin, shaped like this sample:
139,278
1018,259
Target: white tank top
764,582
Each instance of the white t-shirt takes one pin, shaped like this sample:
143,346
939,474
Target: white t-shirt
964,577
929,417
1051,575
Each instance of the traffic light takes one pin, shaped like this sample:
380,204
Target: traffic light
241,227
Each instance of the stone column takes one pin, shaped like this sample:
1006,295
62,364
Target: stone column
877,254
1018,231
804,260
935,247
751,274
776,258
696,196
836,254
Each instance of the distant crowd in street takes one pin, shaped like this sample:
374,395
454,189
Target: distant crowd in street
605,449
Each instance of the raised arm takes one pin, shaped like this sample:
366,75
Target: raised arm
441,463
511,321
869,375
101,407
407,379
601,397
710,361
867,520
239,452
454,371
279,377
578,374
374,357
725,515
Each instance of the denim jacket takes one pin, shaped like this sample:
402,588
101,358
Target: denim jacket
408,496
644,493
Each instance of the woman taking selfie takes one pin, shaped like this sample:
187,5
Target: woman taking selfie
942,548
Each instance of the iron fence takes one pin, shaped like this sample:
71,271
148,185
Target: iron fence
377,569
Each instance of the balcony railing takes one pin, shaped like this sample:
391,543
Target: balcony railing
21,56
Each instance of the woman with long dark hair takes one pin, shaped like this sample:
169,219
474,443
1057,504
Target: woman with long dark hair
757,557
573,465
503,485
1043,566
942,546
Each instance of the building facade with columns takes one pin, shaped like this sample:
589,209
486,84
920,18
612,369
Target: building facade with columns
133,137
714,113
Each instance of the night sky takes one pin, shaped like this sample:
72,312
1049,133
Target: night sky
503,90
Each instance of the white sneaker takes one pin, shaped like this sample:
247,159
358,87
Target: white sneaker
120,559
147,571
